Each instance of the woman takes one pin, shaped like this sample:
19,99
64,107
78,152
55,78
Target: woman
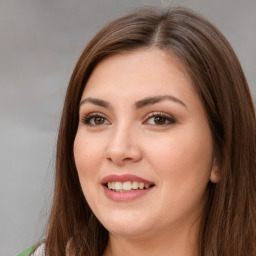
156,146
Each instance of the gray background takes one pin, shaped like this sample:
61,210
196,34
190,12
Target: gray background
40,43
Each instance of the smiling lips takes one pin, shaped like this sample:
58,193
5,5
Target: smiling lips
132,185
126,186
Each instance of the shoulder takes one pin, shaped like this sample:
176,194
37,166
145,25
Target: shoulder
40,251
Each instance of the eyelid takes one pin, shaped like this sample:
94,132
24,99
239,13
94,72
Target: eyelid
86,117
162,114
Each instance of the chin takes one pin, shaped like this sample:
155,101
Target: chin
127,227
128,231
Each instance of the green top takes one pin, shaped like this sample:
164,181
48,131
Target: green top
27,252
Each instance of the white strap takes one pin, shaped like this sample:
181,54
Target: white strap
40,251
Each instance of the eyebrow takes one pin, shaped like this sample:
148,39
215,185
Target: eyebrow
138,104
156,99
98,102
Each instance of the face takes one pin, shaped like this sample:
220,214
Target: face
143,148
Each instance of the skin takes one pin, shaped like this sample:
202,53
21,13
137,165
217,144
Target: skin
174,151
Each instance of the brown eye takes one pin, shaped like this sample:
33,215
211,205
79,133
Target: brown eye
95,120
99,120
160,119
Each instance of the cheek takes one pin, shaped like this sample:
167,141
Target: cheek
87,154
183,163
183,157
88,158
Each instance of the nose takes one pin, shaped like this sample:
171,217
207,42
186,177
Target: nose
123,147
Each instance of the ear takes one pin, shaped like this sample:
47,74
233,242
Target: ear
215,172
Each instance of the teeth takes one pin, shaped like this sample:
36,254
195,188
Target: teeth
118,185
135,185
126,186
141,185
109,184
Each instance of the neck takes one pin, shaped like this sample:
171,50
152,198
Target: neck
177,243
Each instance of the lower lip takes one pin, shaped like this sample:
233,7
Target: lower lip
126,196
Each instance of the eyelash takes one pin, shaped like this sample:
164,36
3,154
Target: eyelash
167,118
87,119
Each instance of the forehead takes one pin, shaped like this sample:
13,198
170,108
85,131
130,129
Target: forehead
140,72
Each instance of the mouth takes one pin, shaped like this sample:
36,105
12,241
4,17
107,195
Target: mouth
127,186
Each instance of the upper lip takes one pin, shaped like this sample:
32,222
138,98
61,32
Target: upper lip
123,178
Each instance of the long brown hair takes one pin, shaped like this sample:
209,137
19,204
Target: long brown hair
229,224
